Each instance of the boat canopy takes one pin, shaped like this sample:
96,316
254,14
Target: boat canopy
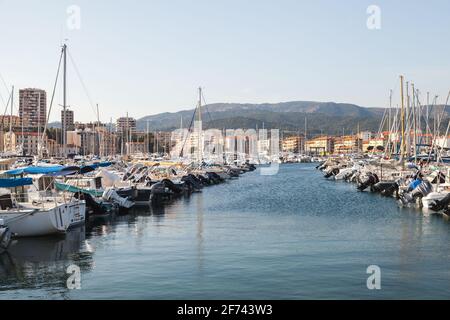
86,169
63,173
102,164
57,170
66,187
12,183
34,170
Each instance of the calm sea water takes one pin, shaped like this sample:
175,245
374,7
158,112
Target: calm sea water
294,235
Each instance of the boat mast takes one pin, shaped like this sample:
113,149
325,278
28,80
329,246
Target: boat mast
11,116
110,142
306,134
427,127
199,126
415,121
64,98
23,131
39,125
127,132
388,146
100,147
402,120
408,121
147,139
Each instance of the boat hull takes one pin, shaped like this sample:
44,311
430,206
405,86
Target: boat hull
77,213
36,222
431,199
143,196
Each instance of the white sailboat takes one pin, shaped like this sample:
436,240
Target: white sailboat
33,219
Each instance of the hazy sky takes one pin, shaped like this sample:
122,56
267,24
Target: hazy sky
147,57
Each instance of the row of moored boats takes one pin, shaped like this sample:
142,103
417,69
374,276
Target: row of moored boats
45,199
423,186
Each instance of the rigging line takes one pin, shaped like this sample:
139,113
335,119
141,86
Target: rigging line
206,107
4,82
6,87
189,132
6,110
53,95
3,99
441,117
447,130
83,84
427,127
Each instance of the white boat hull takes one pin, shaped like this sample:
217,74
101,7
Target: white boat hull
34,222
343,173
77,213
430,198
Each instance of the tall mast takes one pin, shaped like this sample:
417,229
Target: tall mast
408,121
39,125
402,119
110,142
306,134
357,137
100,142
199,126
127,132
23,134
157,142
64,98
147,139
427,127
11,116
390,111
415,121
389,124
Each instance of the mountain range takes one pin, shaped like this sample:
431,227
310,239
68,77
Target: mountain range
321,117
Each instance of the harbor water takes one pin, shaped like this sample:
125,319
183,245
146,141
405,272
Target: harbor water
293,235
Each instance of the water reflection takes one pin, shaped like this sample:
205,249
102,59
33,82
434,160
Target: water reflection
293,237
40,263
200,213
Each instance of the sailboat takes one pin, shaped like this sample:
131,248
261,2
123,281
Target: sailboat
27,219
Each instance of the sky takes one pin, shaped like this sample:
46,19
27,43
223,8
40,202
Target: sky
146,56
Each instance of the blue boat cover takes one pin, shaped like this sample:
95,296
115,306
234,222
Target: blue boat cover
62,173
11,183
34,170
53,170
100,165
413,185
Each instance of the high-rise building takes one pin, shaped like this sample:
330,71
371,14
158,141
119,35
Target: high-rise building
33,107
126,124
67,119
